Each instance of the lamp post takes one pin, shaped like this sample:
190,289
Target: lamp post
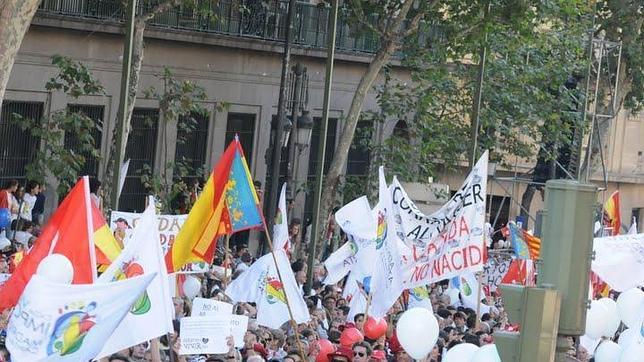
281,119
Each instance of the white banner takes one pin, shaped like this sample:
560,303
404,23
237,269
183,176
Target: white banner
202,307
448,242
169,226
619,260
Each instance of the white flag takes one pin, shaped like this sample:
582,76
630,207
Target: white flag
419,298
59,322
619,261
260,284
357,221
358,284
387,279
467,285
151,314
281,239
123,174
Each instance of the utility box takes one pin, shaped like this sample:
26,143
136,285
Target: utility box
566,247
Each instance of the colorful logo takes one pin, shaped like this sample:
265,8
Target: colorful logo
465,287
278,217
419,293
353,245
381,230
274,291
127,271
71,328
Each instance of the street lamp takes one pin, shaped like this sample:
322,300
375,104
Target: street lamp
304,131
286,131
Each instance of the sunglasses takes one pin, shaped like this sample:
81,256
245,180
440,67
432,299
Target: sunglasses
360,354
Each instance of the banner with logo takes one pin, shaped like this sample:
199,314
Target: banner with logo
448,242
69,322
122,224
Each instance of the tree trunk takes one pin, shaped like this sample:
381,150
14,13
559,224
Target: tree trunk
336,169
526,201
137,62
15,17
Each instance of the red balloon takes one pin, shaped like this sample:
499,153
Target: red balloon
375,328
326,348
350,336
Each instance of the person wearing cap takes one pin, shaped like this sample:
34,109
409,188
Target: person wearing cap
342,354
378,355
361,352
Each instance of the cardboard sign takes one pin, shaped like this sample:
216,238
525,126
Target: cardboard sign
202,307
238,328
494,271
204,335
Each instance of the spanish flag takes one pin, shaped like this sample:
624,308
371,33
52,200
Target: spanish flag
228,204
612,217
107,248
69,232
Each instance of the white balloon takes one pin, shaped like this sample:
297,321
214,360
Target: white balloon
626,337
613,317
633,353
596,320
487,353
56,268
629,305
461,352
191,287
413,323
607,351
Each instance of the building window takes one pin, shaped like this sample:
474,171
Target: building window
242,125
17,147
94,112
192,138
358,157
140,150
313,159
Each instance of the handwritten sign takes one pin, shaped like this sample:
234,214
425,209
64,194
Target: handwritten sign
494,271
202,307
204,335
238,327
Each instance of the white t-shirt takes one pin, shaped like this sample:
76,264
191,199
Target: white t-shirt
28,202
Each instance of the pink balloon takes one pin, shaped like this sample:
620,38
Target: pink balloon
350,336
326,348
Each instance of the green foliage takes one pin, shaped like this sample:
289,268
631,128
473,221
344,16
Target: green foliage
180,103
53,158
533,55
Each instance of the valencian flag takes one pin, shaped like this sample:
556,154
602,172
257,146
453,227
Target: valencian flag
69,232
612,217
228,204
526,246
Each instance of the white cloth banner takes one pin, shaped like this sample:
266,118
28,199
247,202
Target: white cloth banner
169,226
494,271
419,298
151,314
59,322
281,238
448,242
202,307
260,284
619,261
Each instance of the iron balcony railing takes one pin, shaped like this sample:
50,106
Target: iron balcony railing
259,19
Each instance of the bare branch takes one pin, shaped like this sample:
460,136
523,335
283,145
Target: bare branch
159,9
357,10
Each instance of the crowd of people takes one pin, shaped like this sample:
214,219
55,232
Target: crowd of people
328,309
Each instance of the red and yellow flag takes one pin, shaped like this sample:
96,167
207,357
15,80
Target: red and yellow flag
66,233
612,217
228,204
107,248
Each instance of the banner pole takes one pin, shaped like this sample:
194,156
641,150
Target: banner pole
227,245
288,304
478,300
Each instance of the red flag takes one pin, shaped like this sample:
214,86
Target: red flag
521,271
68,232
612,216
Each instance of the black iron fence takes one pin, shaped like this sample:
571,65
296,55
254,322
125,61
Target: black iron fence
260,19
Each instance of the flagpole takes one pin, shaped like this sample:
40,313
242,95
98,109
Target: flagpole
279,275
225,263
478,300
